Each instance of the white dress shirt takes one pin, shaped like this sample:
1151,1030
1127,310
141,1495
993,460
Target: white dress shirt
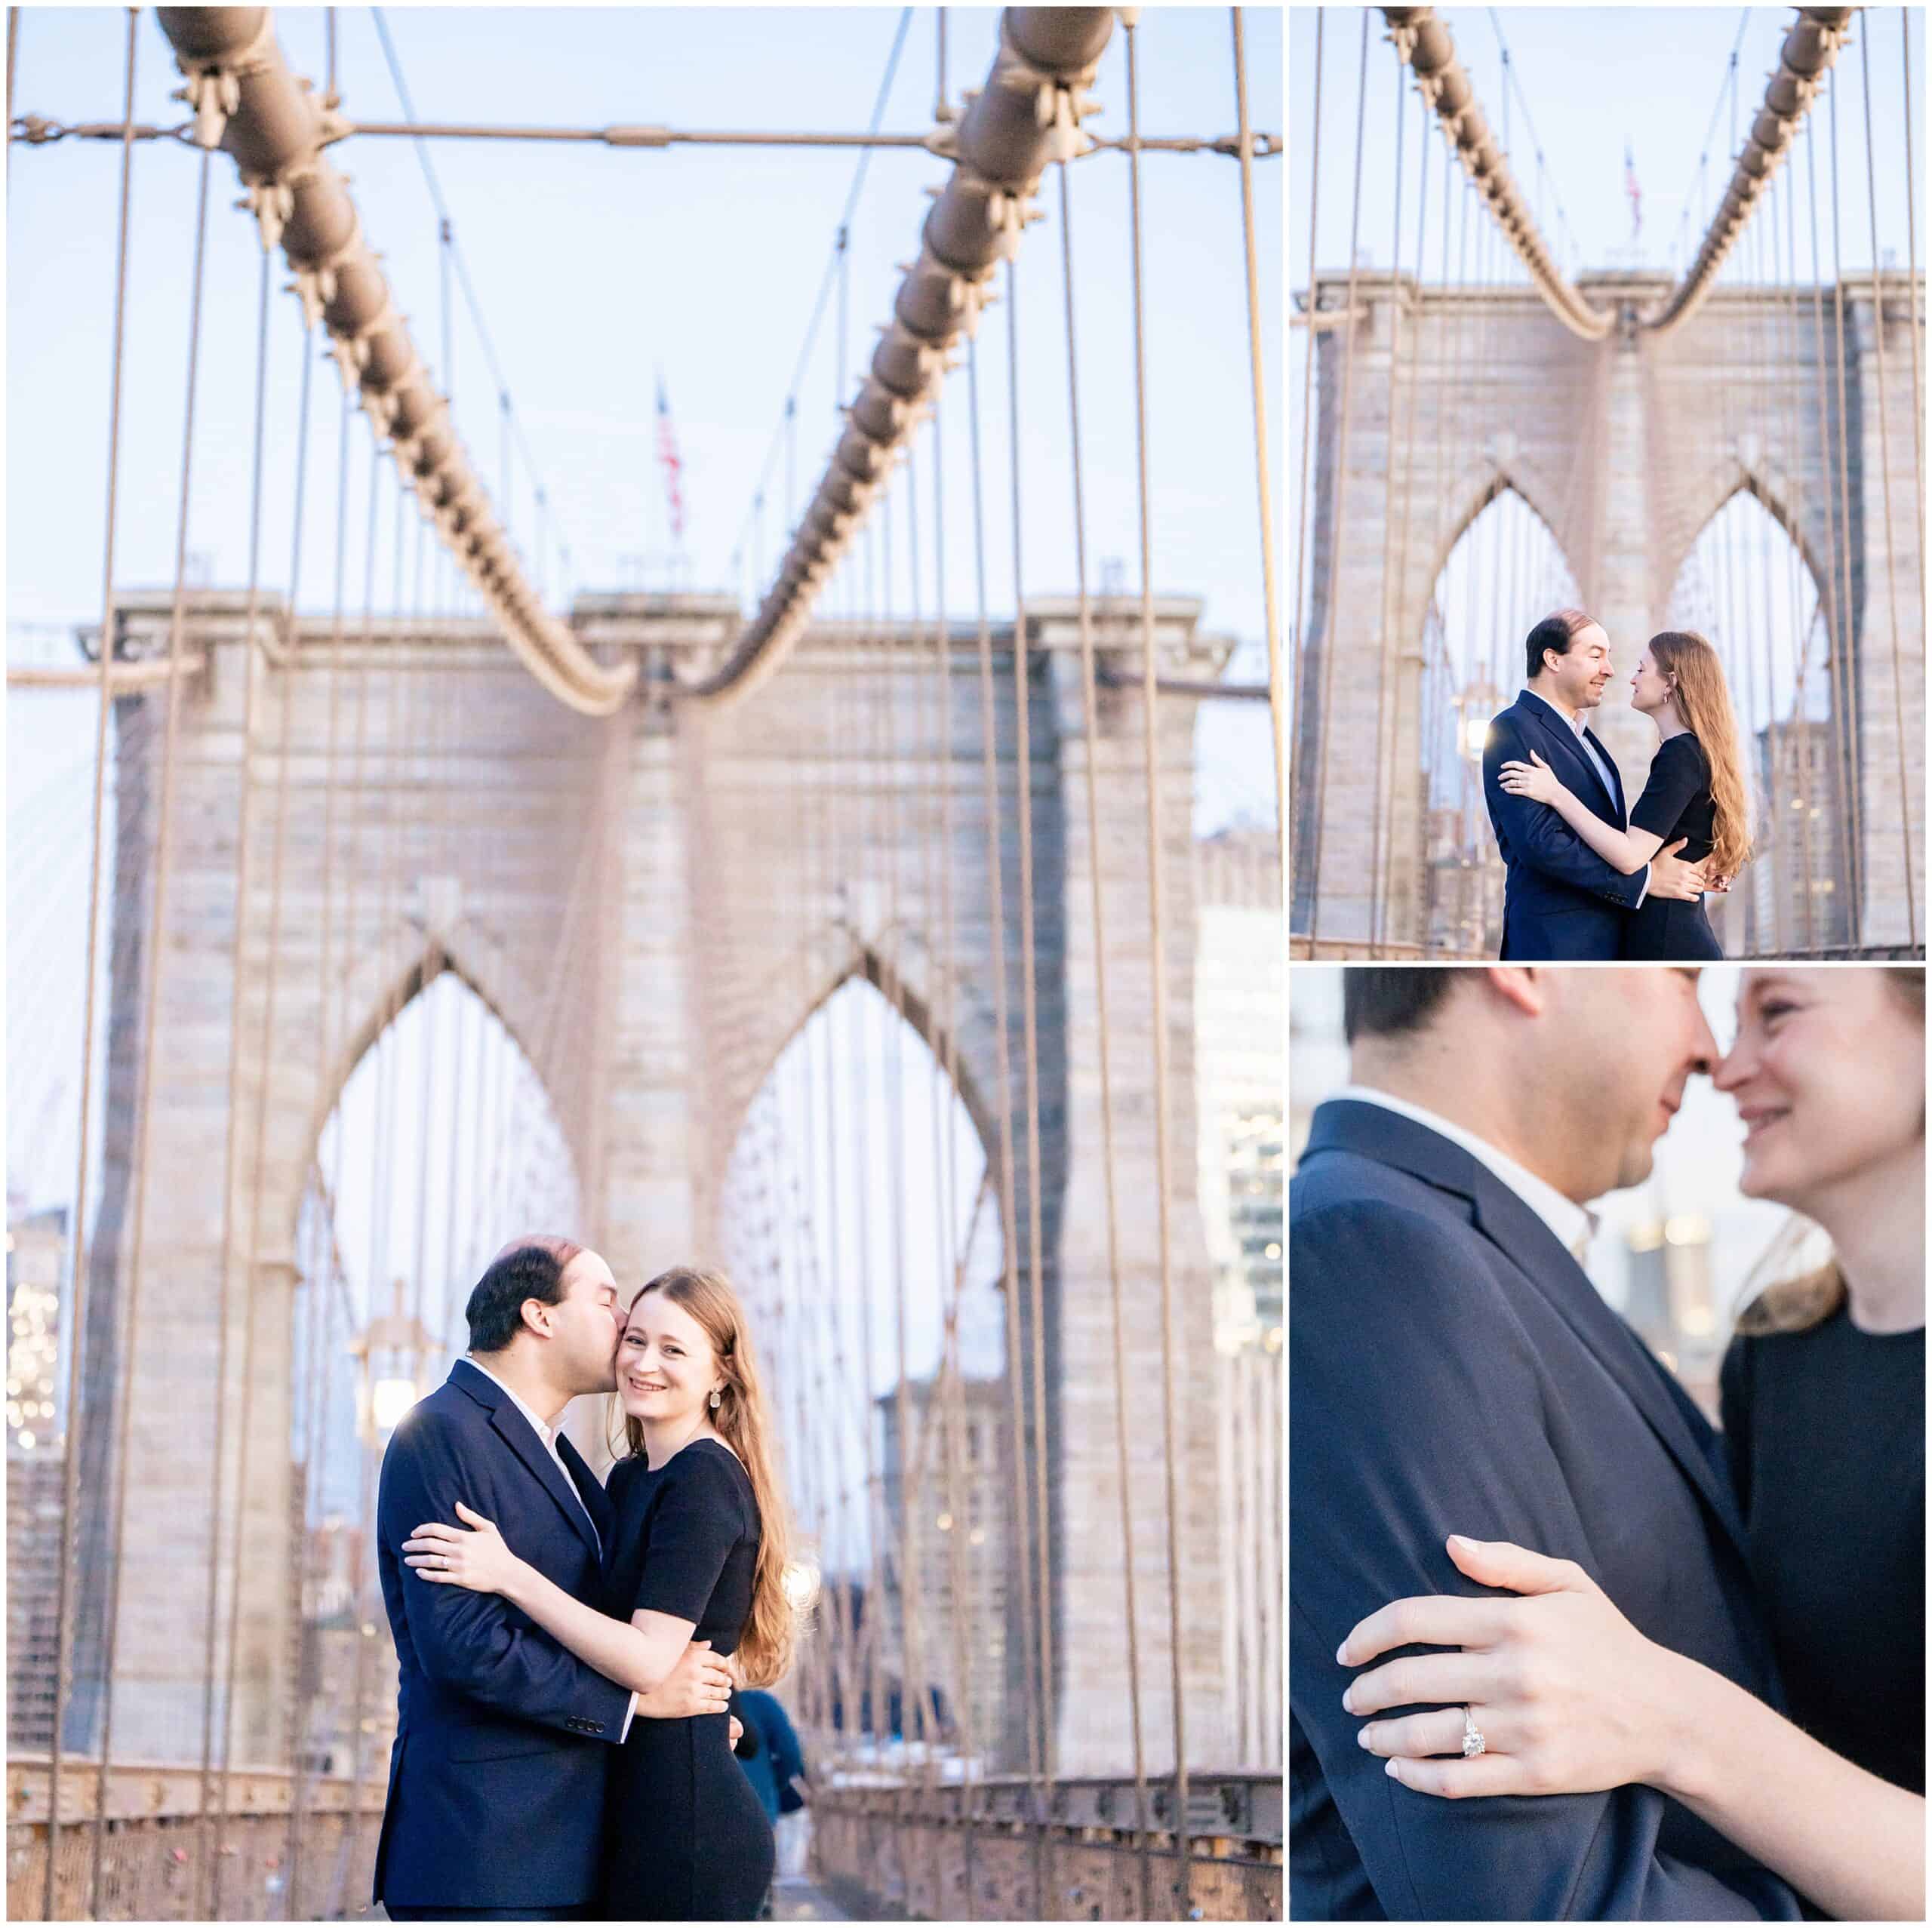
548,1434
1574,1225
1575,725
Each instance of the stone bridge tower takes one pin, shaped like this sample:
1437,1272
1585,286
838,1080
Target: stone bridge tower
1626,448
471,836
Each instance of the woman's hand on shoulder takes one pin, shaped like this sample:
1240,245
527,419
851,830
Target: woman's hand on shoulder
1568,1696
479,1559
1534,780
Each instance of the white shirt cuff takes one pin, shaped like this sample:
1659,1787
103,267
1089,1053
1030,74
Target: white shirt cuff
630,1714
1645,891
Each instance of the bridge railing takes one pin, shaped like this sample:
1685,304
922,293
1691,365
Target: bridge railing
152,1857
978,1851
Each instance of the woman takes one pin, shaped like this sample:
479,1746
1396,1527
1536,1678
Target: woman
1824,1409
699,1554
1695,791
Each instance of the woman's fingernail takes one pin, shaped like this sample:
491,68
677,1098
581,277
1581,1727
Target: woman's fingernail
1363,1735
1348,1699
1342,1653
1462,1540
1388,1767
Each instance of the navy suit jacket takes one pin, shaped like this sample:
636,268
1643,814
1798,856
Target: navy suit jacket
496,1795
1560,899
1452,1370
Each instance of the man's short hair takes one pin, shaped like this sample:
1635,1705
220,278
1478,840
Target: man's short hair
1385,1002
525,1268
1556,631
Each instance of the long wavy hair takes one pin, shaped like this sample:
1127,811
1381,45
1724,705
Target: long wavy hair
744,1420
1797,1305
1703,701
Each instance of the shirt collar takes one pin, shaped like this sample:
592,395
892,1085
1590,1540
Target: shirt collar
1574,1225
543,1432
1574,724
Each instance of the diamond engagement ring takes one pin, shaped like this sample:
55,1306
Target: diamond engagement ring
1473,1743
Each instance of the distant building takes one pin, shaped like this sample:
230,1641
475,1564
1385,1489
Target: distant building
962,1500
336,1641
36,1253
1798,854
36,1258
1238,1016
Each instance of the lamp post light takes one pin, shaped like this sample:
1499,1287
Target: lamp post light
389,1352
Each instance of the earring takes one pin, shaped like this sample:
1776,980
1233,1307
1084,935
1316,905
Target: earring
716,1400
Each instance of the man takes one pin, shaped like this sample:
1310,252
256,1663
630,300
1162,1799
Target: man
496,1799
1453,1369
1561,899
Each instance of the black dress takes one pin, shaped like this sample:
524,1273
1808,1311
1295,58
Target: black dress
686,1838
1827,1434
1676,803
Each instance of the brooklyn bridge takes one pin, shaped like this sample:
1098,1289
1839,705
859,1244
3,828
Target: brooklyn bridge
1503,403
394,867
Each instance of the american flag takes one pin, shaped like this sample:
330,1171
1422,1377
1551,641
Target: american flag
667,456
1630,189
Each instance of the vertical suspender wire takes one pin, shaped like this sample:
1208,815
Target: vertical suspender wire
911,1679
906,741
1396,589
1796,570
156,926
1009,1211
1911,277
1839,622
1338,520
70,1465
1752,639
1438,493
1776,735
1090,722
353,1833
1157,934
205,1870
286,675
300,1736
1304,507
1855,703
862,1020
946,1004
1377,872
1277,705
1022,680
1885,474
381,1136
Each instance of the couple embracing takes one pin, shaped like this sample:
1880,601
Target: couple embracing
1582,882
1559,1651
566,1650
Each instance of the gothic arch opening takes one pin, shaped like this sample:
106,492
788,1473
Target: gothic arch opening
441,1145
858,1215
1502,573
